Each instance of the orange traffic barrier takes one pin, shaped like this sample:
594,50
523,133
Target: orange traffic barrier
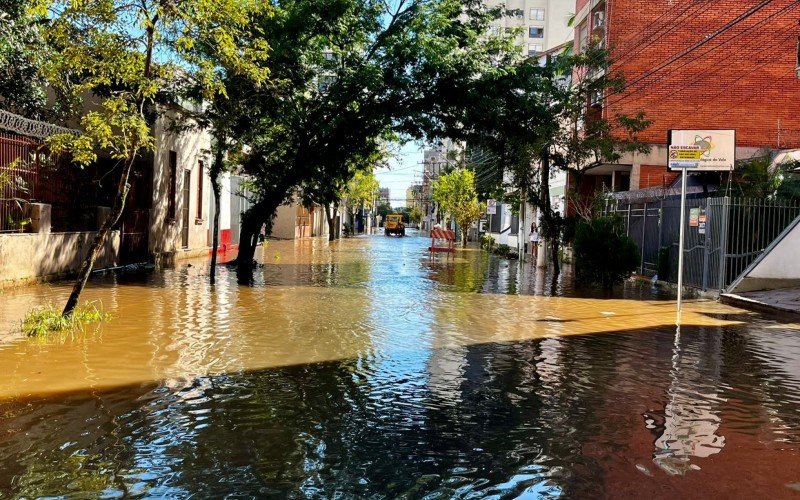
446,241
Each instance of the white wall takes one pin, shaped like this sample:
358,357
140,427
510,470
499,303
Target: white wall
25,257
191,147
285,222
778,268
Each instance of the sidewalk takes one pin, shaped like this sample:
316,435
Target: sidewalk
784,303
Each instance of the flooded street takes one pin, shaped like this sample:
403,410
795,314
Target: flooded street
362,369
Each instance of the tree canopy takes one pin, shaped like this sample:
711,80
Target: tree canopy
346,76
110,63
456,195
527,119
22,86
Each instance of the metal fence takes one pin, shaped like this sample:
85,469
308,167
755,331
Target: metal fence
19,176
723,236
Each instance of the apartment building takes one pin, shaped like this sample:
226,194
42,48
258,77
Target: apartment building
544,23
727,64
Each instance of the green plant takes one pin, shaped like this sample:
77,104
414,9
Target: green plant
604,255
487,242
564,256
46,320
502,250
456,195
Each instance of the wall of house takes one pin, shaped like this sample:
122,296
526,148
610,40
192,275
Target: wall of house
650,169
650,176
745,79
165,231
285,222
26,258
779,267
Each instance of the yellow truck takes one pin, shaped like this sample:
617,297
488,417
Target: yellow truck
394,225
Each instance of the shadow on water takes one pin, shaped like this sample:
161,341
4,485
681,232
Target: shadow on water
577,416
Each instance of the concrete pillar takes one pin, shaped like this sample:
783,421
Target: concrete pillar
541,260
40,217
636,176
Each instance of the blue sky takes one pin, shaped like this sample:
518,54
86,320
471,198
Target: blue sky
404,170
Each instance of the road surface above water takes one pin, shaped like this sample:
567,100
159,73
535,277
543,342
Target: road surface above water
362,369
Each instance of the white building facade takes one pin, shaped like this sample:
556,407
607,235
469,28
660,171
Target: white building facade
544,23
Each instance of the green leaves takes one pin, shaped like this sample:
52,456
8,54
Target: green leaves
22,88
456,195
362,189
604,255
109,61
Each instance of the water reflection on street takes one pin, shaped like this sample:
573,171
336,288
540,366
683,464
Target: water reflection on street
362,368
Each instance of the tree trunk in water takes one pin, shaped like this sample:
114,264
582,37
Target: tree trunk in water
216,170
556,264
212,273
253,219
250,229
331,216
99,240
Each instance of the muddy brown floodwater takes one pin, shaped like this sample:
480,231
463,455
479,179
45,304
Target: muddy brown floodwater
361,369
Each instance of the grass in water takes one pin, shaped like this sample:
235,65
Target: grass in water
43,321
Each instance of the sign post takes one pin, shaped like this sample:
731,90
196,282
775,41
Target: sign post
491,207
697,151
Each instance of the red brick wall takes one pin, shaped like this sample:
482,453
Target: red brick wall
655,176
580,4
745,78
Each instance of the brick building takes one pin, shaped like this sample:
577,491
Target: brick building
728,64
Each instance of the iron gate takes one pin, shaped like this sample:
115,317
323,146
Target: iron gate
723,235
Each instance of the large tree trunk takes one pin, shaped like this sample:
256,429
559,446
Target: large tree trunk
216,170
554,245
212,273
331,216
260,214
252,220
97,245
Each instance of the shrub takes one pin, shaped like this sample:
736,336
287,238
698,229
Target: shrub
487,242
45,320
603,254
502,250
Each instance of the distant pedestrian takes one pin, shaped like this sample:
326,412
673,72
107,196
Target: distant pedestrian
534,241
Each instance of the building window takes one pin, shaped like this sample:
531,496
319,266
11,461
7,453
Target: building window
537,14
535,32
599,19
200,174
534,48
583,41
173,184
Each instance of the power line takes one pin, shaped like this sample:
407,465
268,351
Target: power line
664,29
747,73
684,53
653,90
